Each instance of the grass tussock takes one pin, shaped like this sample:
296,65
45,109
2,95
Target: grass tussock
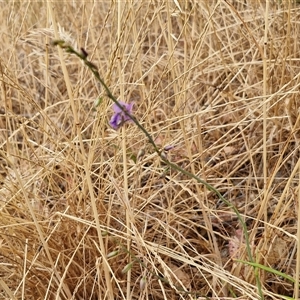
91,213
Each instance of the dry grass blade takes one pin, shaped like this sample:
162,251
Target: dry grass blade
91,213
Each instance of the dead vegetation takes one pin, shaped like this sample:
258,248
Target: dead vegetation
91,213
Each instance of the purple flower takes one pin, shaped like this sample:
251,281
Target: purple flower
168,148
119,117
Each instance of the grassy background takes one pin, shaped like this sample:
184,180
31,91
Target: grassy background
87,212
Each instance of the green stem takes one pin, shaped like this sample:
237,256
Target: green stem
94,70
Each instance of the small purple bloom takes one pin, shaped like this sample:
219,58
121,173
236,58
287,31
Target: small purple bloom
119,117
168,148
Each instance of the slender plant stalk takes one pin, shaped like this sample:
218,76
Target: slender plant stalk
83,56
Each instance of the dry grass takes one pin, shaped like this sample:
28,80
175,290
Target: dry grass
218,81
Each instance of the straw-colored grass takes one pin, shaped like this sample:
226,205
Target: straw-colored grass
87,212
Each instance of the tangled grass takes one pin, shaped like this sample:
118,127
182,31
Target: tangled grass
88,212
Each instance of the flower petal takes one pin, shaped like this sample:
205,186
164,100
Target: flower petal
120,117
115,121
